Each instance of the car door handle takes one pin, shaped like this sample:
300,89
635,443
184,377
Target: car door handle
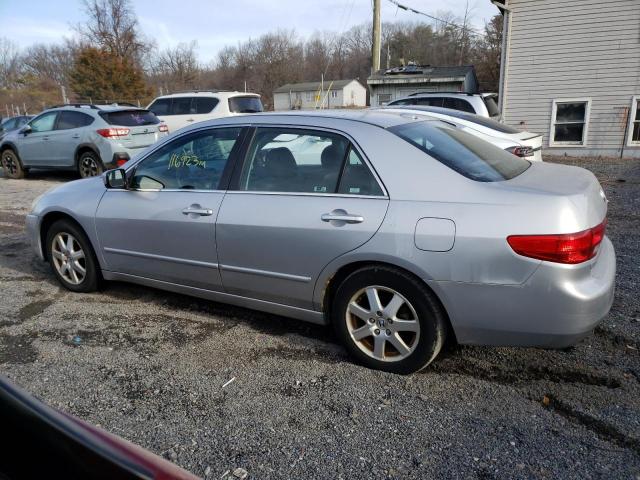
341,216
189,119
203,212
45,138
75,136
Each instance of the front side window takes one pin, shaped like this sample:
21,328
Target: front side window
634,131
404,101
569,122
9,124
68,120
305,161
458,104
44,122
430,101
462,152
191,162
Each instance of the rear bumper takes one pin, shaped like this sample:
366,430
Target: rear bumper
556,307
32,225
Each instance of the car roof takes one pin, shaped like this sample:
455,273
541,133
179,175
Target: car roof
95,108
209,93
379,118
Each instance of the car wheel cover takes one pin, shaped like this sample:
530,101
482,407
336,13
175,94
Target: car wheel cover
382,323
68,258
88,166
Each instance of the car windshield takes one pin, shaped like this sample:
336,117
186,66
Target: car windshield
245,105
130,118
468,155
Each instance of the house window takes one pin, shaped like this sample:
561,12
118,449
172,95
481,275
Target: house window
334,94
570,122
634,122
308,96
384,98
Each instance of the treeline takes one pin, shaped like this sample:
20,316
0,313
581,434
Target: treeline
110,60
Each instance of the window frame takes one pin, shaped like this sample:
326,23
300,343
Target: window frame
585,131
234,185
635,108
230,167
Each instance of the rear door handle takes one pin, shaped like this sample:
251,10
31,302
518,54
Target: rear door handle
340,215
45,138
189,119
203,212
75,136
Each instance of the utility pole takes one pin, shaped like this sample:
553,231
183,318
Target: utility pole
375,54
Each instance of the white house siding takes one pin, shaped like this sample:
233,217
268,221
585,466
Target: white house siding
566,49
351,95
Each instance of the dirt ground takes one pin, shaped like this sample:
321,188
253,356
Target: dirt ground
155,368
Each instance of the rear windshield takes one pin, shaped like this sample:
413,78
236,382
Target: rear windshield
468,155
245,105
130,118
477,119
492,106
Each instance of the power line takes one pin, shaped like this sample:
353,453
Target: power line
413,10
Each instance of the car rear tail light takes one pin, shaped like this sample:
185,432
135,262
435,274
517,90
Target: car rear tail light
521,151
163,128
570,248
113,132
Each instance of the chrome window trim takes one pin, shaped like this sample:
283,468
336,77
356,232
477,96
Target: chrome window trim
306,194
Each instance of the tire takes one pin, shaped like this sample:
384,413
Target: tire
11,164
80,257
89,165
419,321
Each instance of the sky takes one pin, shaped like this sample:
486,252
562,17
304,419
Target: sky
216,23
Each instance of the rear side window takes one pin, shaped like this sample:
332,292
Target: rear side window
430,101
204,104
245,105
181,106
458,104
161,106
130,118
492,106
68,120
404,101
462,152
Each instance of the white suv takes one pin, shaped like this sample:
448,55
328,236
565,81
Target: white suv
181,109
483,104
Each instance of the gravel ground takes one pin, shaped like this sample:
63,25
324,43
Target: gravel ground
155,368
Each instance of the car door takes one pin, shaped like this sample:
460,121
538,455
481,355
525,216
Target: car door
66,136
33,147
302,198
163,226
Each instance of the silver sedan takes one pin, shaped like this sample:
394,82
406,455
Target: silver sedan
395,228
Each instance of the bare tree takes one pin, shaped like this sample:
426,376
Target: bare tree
51,62
176,68
113,26
9,63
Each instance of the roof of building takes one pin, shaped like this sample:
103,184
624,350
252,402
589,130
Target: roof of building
416,73
314,86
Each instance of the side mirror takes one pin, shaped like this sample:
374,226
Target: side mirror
26,130
115,179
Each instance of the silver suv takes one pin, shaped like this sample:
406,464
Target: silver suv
86,138
483,104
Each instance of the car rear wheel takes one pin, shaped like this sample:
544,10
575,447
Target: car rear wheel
72,259
11,164
89,165
388,320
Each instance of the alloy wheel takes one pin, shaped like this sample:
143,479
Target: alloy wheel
10,164
68,258
89,167
383,323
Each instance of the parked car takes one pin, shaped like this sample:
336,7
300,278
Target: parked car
399,231
86,138
483,104
13,123
182,109
63,446
522,144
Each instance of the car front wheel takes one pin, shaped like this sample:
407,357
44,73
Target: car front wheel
388,320
11,164
72,259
